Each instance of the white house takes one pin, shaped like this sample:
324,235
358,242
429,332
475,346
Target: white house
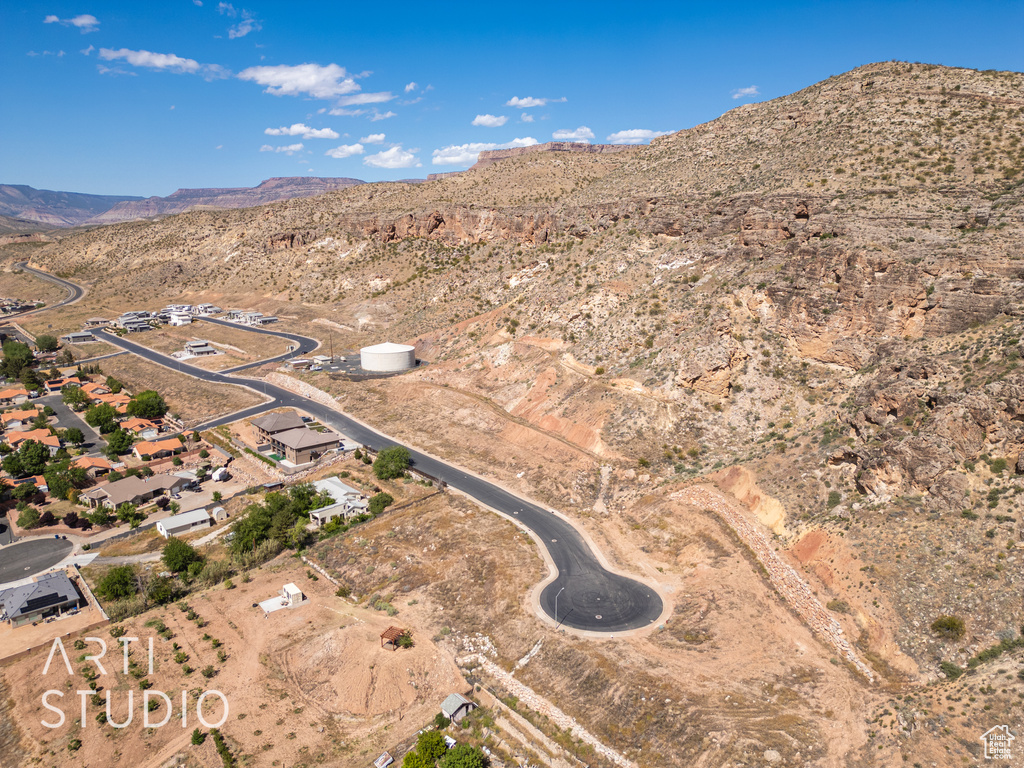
347,501
180,318
186,522
291,595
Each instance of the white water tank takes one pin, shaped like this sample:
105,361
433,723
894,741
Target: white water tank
387,357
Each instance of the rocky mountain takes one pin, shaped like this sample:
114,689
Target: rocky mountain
823,290
54,209
269,191
70,209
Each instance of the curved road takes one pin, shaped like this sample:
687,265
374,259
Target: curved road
303,344
75,292
583,595
18,561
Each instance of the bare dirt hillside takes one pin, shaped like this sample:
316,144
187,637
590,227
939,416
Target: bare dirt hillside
813,302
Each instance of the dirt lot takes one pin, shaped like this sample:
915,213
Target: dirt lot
195,401
305,685
238,346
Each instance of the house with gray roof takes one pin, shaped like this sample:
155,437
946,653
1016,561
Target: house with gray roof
269,425
49,595
456,707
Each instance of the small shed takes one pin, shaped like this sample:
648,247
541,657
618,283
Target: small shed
456,707
383,761
219,513
291,595
186,522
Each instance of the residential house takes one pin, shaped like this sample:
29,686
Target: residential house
17,439
252,318
96,322
94,389
207,309
143,428
78,337
56,385
199,348
347,501
19,421
133,490
158,449
13,395
302,446
94,466
269,425
179,318
49,595
186,522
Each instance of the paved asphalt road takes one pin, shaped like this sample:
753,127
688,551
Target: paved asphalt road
303,344
25,558
589,597
74,292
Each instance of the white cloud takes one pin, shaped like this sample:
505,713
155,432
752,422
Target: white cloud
291,149
365,98
87,51
410,87
200,4
345,150
114,71
303,130
58,54
396,157
580,134
85,22
741,93
528,102
373,138
247,24
635,136
467,154
226,9
526,117
320,82
347,112
382,116
151,60
490,121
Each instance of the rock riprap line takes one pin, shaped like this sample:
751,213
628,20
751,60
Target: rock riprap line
783,576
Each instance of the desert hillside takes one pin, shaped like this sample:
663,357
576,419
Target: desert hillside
813,303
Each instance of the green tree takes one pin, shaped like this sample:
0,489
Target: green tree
119,442
114,385
118,583
62,478
178,555
147,405
217,496
415,760
101,416
17,357
129,513
30,379
46,343
29,518
99,516
161,590
379,502
431,745
13,466
391,462
198,737
74,436
464,756
34,456
74,397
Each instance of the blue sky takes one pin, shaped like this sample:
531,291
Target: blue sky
144,98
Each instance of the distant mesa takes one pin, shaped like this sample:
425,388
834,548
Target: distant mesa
71,209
